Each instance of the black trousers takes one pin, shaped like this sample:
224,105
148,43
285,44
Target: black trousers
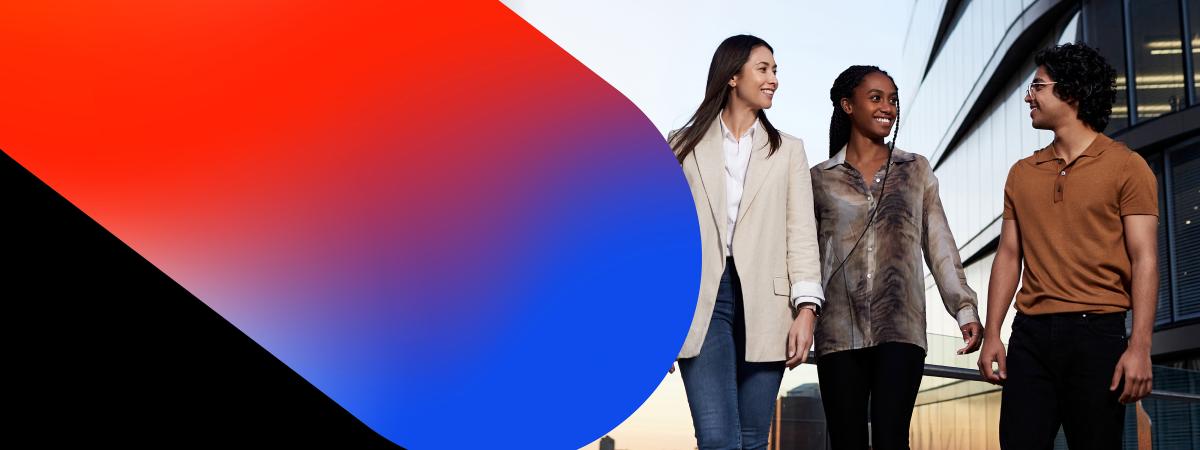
885,377
1059,370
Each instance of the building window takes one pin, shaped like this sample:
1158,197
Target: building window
1104,33
1157,46
1194,24
1185,178
1163,313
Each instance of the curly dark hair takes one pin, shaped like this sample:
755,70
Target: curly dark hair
843,87
1083,77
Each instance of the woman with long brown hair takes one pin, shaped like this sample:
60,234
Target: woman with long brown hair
753,198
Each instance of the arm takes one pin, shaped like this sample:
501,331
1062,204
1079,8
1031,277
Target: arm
803,258
1139,216
1134,365
941,255
1006,271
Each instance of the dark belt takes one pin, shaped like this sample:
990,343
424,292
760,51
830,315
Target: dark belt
1091,317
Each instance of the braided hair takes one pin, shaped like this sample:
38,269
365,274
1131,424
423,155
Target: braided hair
839,135
843,87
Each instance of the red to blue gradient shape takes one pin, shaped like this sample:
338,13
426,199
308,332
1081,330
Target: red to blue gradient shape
428,210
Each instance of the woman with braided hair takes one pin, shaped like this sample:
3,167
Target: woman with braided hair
878,211
754,203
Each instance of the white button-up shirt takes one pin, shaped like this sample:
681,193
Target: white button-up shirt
737,160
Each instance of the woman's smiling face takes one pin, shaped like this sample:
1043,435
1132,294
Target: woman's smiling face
874,105
756,83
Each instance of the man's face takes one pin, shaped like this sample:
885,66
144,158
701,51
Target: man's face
1046,109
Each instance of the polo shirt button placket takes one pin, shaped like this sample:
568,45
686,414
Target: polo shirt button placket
1058,183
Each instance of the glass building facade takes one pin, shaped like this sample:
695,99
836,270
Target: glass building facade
966,67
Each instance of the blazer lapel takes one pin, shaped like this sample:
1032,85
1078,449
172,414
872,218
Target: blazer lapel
710,162
757,172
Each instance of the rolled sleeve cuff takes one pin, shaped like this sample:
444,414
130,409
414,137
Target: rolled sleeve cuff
807,292
967,315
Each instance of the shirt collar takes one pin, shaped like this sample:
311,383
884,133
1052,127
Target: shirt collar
898,156
727,134
1101,143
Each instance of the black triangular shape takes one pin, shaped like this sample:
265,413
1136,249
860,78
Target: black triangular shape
108,349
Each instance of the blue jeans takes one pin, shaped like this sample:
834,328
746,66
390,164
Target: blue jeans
732,401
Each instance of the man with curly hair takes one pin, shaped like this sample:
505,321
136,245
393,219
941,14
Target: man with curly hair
1080,215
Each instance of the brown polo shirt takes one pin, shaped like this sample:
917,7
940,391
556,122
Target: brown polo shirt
1069,217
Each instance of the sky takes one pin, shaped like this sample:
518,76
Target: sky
657,53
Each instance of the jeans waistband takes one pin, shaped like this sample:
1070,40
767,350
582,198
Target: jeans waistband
1073,316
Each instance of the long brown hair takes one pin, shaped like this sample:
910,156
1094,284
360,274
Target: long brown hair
727,61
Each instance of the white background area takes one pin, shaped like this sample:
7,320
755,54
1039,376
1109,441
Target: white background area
657,52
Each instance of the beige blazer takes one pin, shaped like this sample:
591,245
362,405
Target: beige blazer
774,243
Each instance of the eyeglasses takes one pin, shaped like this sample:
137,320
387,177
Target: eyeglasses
1037,86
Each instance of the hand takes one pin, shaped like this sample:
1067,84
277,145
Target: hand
1134,366
800,338
993,352
973,335
672,369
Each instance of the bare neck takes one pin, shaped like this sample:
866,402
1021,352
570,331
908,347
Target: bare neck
860,149
1071,140
738,118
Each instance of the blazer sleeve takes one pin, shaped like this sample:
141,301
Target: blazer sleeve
803,259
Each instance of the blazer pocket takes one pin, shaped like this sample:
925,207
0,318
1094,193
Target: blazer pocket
782,287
